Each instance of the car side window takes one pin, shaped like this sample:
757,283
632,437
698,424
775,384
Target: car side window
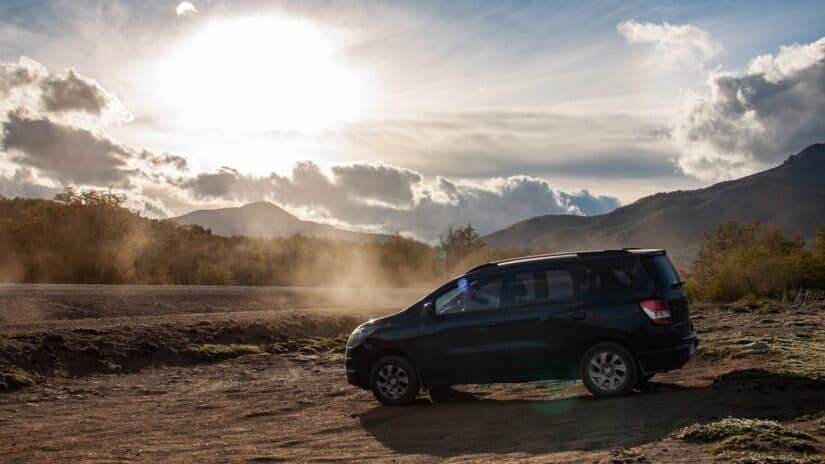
469,295
540,286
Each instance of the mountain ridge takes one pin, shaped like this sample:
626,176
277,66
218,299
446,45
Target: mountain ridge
263,219
790,196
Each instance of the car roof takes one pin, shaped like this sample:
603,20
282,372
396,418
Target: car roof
565,256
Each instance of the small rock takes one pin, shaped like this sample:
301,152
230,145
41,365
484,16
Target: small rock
756,346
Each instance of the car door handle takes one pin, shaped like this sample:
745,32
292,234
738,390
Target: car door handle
578,316
489,325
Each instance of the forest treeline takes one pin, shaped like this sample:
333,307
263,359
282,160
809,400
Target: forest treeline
89,237
741,260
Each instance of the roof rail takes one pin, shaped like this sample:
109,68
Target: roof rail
545,255
480,267
614,251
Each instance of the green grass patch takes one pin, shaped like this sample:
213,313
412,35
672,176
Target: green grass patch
210,351
306,346
735,434
12,378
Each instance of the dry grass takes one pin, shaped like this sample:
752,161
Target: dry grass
735,434
779,459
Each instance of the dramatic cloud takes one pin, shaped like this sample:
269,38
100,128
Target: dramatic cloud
390,199
73,155
377,182
676,45
29,84
185,8
67,154
754,120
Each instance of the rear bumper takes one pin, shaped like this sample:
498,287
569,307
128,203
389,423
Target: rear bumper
667,359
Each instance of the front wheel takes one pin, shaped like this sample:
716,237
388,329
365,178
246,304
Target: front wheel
393,381
608,370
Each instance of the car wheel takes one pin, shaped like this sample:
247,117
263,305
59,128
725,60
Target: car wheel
440,393
393,381
609,370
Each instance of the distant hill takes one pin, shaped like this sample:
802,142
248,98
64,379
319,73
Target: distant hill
265,220
790,196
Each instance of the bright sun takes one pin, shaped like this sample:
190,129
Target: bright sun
260,74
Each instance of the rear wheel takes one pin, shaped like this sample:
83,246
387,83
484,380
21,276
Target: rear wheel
393,381
440,393
608,370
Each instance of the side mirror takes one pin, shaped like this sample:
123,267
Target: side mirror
429,309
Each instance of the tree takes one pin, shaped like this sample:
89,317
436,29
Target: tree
457,245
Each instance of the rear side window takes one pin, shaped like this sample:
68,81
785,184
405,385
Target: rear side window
616,277
469,295
661,269
540,286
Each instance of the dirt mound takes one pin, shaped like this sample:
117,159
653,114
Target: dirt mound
77,352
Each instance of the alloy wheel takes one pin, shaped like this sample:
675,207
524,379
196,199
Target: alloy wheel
392,381
608,371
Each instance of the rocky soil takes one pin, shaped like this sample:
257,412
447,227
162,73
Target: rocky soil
251,380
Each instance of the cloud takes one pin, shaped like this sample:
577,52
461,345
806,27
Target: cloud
676,45
377,182
72,93
29,84
753,120
73,155
390,199
474,144
22,183
67,154
185,8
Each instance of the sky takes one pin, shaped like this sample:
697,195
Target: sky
399,116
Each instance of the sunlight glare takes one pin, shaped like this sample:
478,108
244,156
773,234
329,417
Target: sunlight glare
260,74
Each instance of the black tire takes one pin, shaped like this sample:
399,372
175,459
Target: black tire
609,370
393,381
440,393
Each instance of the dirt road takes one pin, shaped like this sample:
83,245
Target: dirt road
262,399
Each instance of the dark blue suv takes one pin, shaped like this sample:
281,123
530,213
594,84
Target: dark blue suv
613,318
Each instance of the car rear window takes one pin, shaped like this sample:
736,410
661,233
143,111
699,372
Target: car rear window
616,276
662,270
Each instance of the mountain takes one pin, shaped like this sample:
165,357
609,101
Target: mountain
265,220
790,196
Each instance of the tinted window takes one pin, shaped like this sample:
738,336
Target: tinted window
540,286
662,270
468,295
611,277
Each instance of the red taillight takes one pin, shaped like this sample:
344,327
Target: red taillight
657,310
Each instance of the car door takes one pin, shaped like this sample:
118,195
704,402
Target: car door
460,340
543,314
